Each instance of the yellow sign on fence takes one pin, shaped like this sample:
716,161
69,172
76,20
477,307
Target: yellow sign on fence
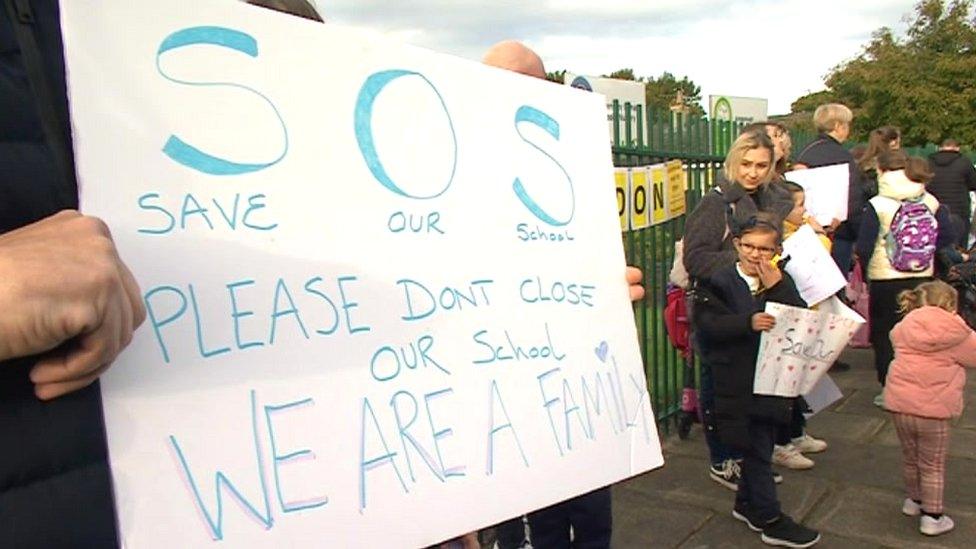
676,189
621,177
639,215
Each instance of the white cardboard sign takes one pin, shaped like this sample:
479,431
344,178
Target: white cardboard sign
826,191
799,350
387,303
813,270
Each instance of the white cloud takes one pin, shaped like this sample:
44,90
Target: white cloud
762,48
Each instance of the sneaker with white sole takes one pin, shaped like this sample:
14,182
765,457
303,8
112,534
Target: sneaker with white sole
791,458
745,516
934,527
727,473
807,444
879,401
910,508
784,532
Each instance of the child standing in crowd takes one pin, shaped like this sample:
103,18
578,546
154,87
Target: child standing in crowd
901,230
924,389
729,312
791,440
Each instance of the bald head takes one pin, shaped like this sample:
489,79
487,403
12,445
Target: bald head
515,56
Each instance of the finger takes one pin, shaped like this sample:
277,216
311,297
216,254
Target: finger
89,352
636,292
48,391
134,294
634,275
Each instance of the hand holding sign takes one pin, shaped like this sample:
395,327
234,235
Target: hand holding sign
800,347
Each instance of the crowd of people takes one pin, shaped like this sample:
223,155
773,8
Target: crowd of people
908,225
71,305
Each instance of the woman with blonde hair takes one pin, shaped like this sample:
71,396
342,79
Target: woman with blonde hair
742,190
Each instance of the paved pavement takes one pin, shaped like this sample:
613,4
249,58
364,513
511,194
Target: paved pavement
853,495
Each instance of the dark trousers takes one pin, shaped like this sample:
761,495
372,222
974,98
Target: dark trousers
884,316
588,515
842,251
717,450
510,534
757,491
786,433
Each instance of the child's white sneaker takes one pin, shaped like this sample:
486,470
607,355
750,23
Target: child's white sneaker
788,456
911,508
807,444
933,527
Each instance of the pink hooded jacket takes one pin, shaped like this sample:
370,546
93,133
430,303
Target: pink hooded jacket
926,377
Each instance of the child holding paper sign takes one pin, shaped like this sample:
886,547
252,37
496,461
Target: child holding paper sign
730,319
924,390
791,440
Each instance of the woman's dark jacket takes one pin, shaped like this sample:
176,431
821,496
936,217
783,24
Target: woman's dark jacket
723,312
54,476
707,239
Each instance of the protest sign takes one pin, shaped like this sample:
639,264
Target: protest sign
826,190
386,302
640,198
799,350
659,182
676,189
621,177
815,273
824,393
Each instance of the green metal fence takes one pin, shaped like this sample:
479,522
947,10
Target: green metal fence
700,145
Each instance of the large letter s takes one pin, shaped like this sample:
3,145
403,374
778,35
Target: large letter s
532,115
187,154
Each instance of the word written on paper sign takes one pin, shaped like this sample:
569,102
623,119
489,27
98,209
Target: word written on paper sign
337,387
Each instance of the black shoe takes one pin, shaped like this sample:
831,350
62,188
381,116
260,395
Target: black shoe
783,532
727,474
839,366
745,516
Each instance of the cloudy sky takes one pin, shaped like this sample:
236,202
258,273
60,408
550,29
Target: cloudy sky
777,49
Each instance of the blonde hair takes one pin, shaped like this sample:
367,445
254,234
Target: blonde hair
933,294
826,117
744,143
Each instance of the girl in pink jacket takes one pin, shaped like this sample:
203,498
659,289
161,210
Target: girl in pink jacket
924,390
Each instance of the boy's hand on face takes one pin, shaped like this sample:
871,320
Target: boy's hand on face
769,275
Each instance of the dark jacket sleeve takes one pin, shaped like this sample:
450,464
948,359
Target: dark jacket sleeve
718,323
969,175
947,237
704,252
867,236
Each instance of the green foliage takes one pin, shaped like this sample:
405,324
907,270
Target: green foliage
556,76
924,82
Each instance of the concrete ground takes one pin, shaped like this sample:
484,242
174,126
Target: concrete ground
853,495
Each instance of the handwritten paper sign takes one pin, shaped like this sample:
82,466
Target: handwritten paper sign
386,302
811,267
826,190
799,350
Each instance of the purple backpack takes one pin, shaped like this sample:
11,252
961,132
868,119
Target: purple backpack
912,236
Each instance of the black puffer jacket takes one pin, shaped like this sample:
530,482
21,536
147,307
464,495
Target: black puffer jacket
954,178
54,476
723,313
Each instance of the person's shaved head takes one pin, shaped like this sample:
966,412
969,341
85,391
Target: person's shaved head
515,56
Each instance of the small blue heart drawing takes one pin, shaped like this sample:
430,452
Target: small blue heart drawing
602,350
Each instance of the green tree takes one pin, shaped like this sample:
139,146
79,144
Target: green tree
922,82
556,76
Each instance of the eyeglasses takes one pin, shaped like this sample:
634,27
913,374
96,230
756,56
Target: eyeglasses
763,250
